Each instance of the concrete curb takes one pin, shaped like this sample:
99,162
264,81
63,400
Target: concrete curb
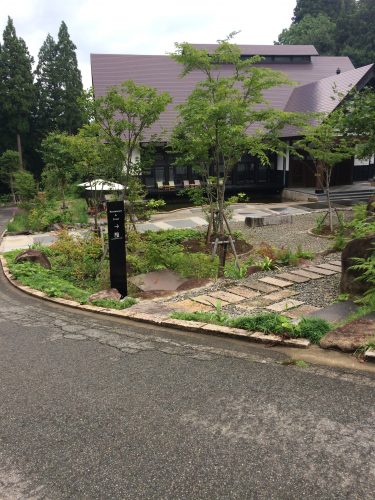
370,355
192,326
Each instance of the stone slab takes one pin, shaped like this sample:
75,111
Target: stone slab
227,297
185,325
307,274
249,305
319,270
293,277
301,311
226,330
189,306
261,287
336,312
165,279
279,295
284,305
208,300
269,220
301,343
335,262
274,281
243,292
331,267
266,339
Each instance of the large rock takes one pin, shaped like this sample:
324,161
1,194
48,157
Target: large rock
351,336
359,247
35,256
110,294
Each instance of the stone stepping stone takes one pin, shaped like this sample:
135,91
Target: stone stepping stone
307,274
248,305
261,287
208,300
293,277
189,306
336,312
301,311
320,270
335,262
243,292
330,267
284,305
279,295
275,281
231,298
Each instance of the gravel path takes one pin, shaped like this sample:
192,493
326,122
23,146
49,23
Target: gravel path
288,235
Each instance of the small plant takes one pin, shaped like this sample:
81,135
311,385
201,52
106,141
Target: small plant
304,254
205,317
360,351
319,224
343,297
266,264
115,304
295,362
313,329
232,271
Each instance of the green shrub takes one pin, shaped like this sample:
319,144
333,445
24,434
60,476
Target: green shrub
19,223
313,329
171,236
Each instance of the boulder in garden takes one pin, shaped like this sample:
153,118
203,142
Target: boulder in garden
35,256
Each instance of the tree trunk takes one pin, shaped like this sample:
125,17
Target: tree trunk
328,191
221,235
19,147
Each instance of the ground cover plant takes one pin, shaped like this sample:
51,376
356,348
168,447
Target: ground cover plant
268,323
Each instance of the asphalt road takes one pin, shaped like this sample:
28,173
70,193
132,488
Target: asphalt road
105,409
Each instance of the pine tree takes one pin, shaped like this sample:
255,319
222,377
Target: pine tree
17,92
69,115
47,85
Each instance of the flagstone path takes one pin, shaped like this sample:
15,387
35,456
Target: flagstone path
271,293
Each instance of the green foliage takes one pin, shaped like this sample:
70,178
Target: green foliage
313,329
115,304
17,94
24,185
268,323
265,323
59,171
171,236
204,317
266,264
232,271
311,30
9,165
19,223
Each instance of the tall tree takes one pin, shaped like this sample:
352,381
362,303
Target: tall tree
330,8
17,92
47,86
212,134
69,115
311,30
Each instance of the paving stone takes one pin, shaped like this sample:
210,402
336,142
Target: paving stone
319,270
307,274
293,277
190,306
331,267
301,311
243,292
261,287
249,305
275,281
335,262
280,295
231,298
207,300
284,305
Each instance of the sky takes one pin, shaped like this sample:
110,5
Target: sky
144,27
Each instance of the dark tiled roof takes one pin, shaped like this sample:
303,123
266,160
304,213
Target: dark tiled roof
265,50
163,73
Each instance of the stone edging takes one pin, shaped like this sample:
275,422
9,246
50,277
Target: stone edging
192,326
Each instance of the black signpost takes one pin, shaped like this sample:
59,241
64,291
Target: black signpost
116,244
